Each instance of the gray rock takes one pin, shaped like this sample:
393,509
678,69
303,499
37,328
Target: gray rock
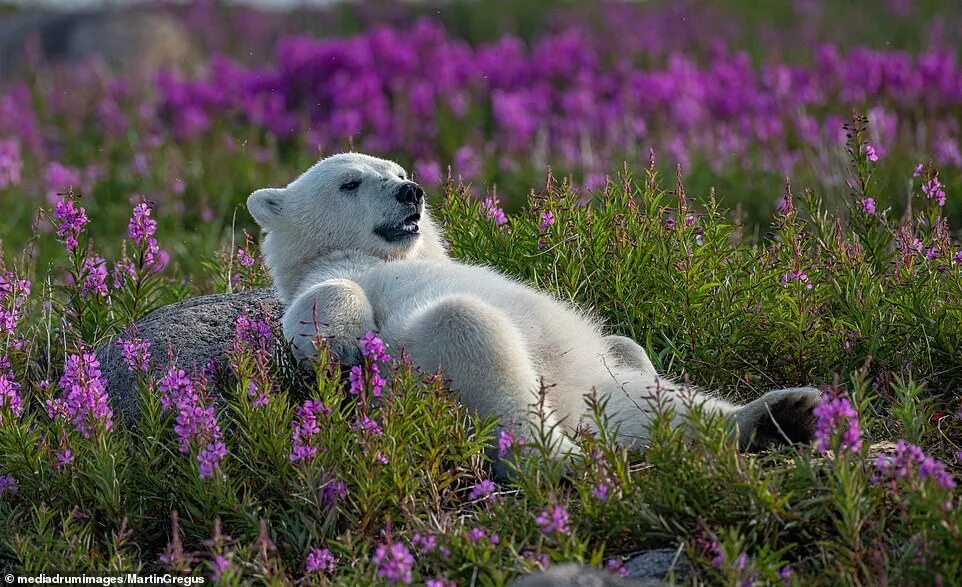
659,563
574,575
132,40
195,330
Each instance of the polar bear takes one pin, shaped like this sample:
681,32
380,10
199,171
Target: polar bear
351,247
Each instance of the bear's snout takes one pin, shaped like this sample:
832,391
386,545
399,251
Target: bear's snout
410,193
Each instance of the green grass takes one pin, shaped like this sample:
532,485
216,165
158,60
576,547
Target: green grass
707,301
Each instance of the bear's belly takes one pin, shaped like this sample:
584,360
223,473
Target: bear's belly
554,333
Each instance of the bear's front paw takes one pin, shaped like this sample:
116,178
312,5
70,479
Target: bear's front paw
779,417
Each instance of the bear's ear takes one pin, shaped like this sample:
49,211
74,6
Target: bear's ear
265,205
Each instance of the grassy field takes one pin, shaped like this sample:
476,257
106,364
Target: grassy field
123,193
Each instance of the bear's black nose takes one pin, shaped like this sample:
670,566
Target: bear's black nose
410,193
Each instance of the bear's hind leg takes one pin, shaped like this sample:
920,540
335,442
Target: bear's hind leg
483,354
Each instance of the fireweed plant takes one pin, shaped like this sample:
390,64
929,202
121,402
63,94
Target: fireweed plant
581,95
252,469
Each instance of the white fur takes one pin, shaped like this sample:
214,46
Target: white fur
499,341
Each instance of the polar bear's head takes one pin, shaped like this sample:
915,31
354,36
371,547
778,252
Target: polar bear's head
346,202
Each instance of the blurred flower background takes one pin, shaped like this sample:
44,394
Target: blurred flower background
193,105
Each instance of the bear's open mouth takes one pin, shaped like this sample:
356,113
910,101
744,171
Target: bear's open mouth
405,229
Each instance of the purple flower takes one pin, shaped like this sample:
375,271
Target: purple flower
786,575
785,206
61,178
428,172
252,335
9,394
440,582
8,484
10,163
933,190
70,222
141,229
373,347
741,563
64,458
493,211
334,491
868,205
617,567
356,378
870,153
547,220
918,170
195,423
210,457
135,352
122,269
554,520
482,489
718,556
377,382
304,427
799,276
507,441
907,460
259,393
244,258
319,560
13,295
220,566
95,277
600,491
425,544
394,562
84,401
367,426
466,162
476,534
834,416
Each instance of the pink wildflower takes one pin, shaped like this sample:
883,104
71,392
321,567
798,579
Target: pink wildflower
10,394
10,163
493,211
70,222
933,190
907,460
547,220
394,562
84,401
554,520
8,484
833,416
319,560
95,278
136,353
305,426
482,490
617,567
